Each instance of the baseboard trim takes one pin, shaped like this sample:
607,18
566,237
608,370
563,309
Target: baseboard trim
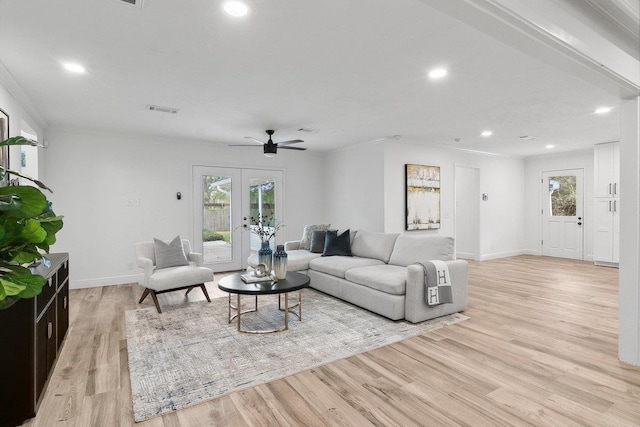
465,255
499,255
105,281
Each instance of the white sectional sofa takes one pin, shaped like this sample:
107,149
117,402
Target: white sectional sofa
382,276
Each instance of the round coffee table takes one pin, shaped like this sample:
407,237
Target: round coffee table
235,285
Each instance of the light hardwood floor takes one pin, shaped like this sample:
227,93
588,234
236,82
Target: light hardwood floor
540,349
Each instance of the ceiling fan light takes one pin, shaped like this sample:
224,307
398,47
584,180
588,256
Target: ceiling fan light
270,154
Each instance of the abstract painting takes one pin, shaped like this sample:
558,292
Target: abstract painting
422,184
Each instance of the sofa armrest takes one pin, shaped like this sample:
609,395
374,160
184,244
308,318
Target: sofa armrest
416,308
292,245
147,265
196,258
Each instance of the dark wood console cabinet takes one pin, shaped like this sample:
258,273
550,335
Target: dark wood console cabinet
31,335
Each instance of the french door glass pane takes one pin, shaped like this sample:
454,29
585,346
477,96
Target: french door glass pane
562,195
216,218
262,204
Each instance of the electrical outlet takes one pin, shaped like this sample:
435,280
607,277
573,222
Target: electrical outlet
133,202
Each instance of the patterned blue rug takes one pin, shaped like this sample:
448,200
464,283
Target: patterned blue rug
190,353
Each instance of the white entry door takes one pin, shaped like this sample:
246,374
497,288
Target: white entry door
562,213
225,201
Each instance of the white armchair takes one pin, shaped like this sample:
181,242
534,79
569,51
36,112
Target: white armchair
161,280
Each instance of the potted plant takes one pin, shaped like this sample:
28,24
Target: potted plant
28,227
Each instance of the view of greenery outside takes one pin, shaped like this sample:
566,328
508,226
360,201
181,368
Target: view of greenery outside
562,195
216,202
263,194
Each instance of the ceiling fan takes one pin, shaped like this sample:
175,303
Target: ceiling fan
271,148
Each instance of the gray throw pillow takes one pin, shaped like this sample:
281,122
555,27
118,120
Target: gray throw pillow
317,241
169,255
305,242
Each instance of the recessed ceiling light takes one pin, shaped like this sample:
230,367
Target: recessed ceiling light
73,67
437,73
486,133
602,110
235,8
549,146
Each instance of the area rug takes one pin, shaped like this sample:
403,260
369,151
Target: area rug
190,353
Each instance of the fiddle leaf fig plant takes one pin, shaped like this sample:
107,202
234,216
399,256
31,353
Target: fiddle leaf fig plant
28,227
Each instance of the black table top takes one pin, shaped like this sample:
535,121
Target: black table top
294,282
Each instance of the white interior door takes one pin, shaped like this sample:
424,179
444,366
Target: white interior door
224,202
467,212
562,213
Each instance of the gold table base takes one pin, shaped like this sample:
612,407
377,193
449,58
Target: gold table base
287,309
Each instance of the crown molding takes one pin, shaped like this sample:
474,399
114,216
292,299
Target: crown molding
14,89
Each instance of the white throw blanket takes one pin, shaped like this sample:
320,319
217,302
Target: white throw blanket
437,283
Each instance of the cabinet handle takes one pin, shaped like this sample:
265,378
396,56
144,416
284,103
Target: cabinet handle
49,330
609,205
610,189
615,188
64,302
50,282
615,208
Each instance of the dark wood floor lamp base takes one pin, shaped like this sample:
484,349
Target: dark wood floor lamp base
154,294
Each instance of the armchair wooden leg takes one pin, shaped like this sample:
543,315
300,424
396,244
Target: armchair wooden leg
144,295
155,300
204,291
189,290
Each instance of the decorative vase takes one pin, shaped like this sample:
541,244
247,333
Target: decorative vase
280,262
264,255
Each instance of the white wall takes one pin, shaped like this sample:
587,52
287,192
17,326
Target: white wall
629,289
18,120
354,188
502,178
94,174
534,166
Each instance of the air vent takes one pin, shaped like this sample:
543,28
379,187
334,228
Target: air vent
527,138
306,130
136,3
162,109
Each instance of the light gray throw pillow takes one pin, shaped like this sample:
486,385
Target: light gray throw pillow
169,255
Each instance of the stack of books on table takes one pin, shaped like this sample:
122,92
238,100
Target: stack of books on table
249,277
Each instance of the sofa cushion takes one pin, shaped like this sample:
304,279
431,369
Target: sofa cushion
409,250
337,244
390,279
305,242
367,244
317,241
338,265
297,260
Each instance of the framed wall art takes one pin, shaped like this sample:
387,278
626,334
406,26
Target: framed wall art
4,151
422,197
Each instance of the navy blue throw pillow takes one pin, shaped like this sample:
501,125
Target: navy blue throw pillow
335,244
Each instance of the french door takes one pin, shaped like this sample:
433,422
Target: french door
225,202
562,213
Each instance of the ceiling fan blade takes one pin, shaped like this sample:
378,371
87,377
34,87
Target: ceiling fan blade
241,145
292,141
255,140
291,148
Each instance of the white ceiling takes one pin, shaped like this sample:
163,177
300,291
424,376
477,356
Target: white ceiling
354,71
